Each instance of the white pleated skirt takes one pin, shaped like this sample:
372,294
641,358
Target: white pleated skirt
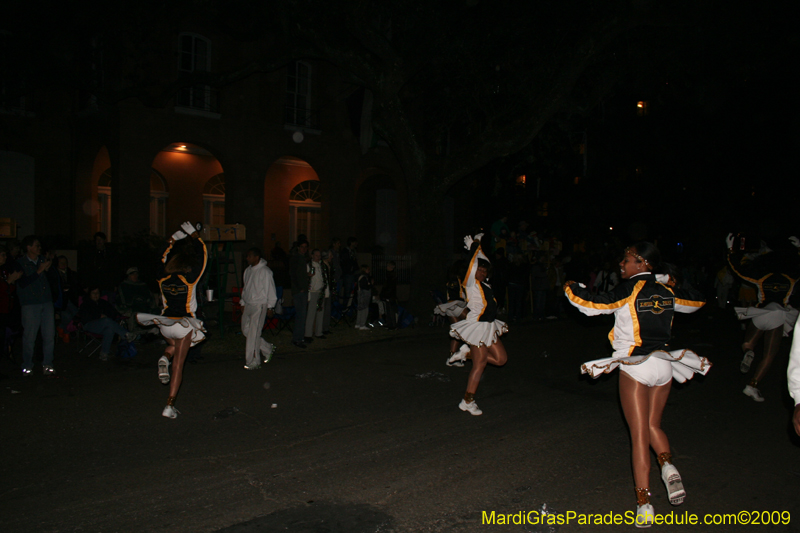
478,333
685,364
174,328
453,308
771,316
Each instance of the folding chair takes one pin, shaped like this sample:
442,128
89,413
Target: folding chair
341,311
286,315
86,339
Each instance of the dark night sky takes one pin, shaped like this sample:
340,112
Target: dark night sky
716,150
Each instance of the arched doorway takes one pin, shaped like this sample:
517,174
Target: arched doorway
305,211
103,216
195,182
293,204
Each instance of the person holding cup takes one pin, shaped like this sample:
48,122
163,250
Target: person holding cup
183,263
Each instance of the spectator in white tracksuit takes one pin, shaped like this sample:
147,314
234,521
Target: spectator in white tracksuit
258,302
793,375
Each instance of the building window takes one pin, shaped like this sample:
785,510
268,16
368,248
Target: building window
195,56
641,108
298,97
214,201
158,203
305,211
307,191
103,221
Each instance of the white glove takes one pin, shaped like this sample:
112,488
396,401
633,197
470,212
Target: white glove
795,241
478,237
188,228
729,241
178,235
662,278
468,242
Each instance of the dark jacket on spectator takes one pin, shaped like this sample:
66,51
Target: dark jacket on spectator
389,289
33,288
298,273
91,310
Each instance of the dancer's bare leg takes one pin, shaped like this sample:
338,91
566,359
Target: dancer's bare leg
455,344
751,337
643,407
181,348
497,354
480,356
658,400
772,343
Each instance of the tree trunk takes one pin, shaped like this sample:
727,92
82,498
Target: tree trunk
430,258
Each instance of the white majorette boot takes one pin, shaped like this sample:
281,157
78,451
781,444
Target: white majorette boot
458,358
672,479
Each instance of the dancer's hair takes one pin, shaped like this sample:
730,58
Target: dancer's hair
672,271
648,252
183,259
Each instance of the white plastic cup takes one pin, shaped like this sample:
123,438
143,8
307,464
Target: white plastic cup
210,295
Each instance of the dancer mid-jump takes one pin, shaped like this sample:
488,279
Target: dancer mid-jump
480,329
643,309
183,264
775,275
454,309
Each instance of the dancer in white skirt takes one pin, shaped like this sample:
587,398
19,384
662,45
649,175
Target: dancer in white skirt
643,309
480,330
454,310
183,264
774,276
793,377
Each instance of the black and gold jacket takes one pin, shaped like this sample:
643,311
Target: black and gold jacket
643,309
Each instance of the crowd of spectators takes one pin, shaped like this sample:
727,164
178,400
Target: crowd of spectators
330,281
530,265
40,293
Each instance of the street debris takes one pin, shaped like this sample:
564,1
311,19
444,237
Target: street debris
225,413
433,375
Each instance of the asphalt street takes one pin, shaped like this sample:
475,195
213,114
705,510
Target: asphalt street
368,438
